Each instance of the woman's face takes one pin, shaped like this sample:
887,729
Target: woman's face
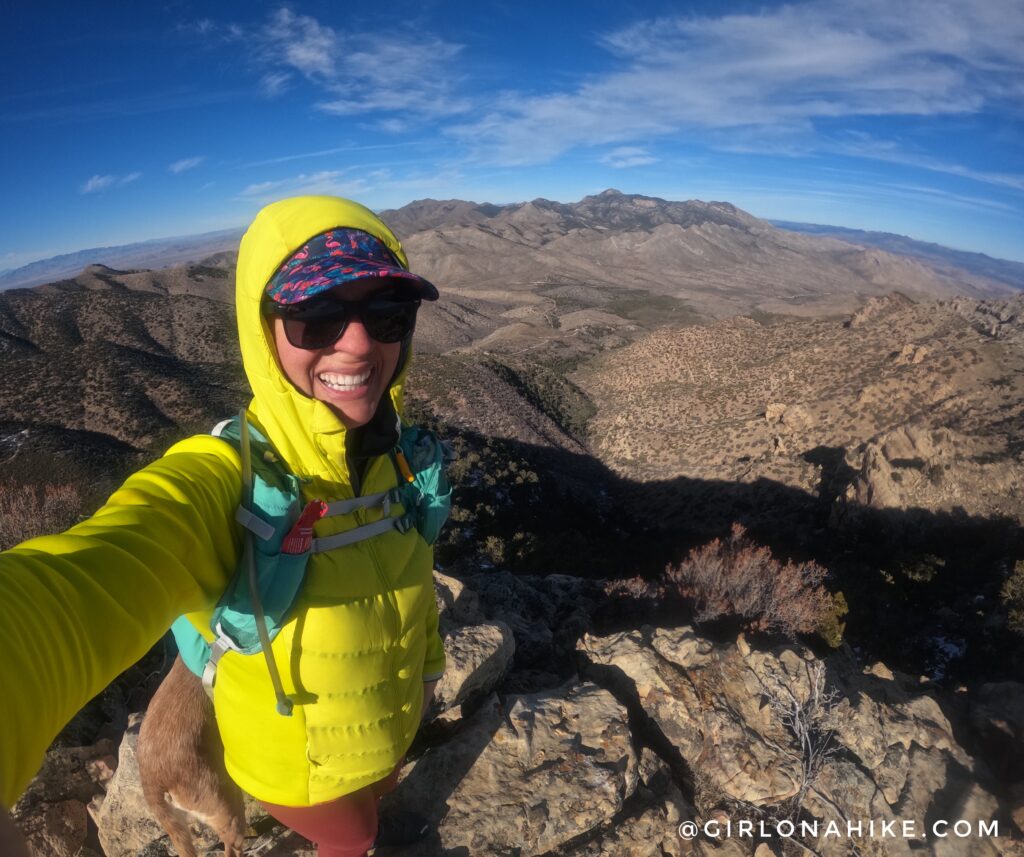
349,376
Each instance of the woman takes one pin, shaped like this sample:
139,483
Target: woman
326,308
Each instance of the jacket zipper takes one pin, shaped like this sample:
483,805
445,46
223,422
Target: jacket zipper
390,605
391,602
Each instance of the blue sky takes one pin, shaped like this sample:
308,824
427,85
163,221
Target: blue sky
127,121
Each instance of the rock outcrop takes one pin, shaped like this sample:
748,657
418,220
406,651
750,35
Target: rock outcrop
779,735
527,775
918,467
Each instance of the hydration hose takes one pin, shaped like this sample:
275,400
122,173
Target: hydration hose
284,704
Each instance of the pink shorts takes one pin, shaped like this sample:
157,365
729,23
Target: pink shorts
345,827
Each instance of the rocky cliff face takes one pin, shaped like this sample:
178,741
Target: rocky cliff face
547,739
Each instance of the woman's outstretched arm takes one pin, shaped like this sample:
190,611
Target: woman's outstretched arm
78,608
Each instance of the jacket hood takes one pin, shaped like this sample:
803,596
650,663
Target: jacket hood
310,437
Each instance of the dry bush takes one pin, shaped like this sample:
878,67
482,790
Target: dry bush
1012,595
811,718
737,578
27,511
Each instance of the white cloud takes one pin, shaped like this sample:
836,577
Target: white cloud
319,153
102,182
390,125
863,146
97,183
352,182
325,181
397,70
274,83
628,156
304,43
186,164
788,67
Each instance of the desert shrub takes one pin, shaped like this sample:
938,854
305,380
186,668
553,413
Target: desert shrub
810,715
494,549
832,626
1012,595
27,511
736,578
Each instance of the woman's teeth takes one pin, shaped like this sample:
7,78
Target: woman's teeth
344,382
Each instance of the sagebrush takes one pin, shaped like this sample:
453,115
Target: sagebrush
737,578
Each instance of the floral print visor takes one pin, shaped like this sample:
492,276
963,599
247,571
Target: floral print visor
335,258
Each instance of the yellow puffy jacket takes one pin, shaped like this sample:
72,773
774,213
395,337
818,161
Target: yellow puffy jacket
77,608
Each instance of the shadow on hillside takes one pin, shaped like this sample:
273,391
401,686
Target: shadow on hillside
923,587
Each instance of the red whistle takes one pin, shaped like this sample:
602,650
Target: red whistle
300,539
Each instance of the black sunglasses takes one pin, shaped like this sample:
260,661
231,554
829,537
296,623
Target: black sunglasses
320,322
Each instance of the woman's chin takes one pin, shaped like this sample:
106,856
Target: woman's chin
354,407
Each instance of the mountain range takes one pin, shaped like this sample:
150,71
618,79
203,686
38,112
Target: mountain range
157,253
1011,273
598,239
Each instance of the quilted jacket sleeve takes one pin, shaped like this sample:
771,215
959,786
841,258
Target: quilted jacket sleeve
78,608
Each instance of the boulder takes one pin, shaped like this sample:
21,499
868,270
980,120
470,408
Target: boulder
52,811
677,680
651,827
122,817
478,657
457,604
911,355
781,730
525,776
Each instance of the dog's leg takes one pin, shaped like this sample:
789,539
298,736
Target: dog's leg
181,757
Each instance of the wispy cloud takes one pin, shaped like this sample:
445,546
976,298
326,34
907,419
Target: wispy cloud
186,164
353,182
628,156
275,83
325,181
319,153
790,67
391,125
864,146
97,183
397,70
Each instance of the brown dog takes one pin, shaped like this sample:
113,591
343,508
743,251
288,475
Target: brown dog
181,765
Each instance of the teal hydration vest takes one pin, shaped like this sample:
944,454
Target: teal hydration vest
278,541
